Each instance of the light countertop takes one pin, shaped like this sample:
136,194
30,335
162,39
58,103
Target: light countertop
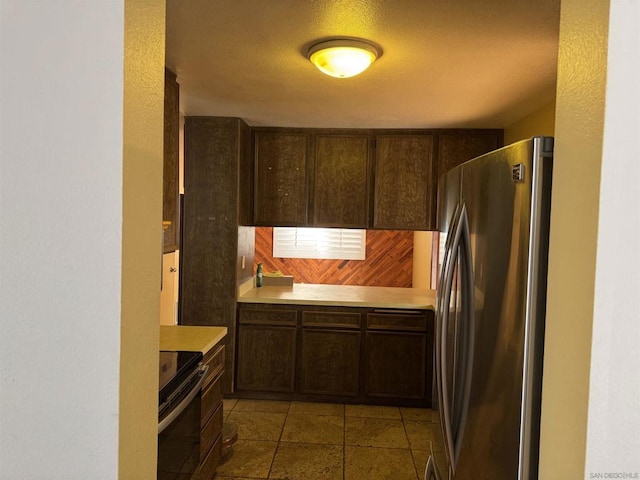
342,295
190,339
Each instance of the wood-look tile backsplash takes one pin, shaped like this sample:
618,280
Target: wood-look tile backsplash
388,263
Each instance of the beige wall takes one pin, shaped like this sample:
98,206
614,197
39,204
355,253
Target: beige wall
573,235
540,122
422,259
613,432
141,237
61,148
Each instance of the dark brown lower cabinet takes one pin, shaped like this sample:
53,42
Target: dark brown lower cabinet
266,358
330,362
398,353
340,354
396,364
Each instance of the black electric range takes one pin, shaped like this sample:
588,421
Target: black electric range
175,368
179,414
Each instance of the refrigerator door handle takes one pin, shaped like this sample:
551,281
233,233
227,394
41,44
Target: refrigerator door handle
430,471
460,248
444,305
467,331
447,251
441,301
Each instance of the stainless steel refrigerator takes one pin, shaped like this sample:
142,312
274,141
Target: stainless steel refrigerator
493,214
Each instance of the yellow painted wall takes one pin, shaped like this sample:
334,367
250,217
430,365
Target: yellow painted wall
141,237
572,251
540,122
422,259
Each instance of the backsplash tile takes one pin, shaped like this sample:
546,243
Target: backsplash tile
388,263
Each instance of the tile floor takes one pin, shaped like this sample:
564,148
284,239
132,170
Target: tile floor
324,441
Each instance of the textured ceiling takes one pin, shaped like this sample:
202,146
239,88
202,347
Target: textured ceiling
446,63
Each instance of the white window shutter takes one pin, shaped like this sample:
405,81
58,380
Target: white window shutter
331,243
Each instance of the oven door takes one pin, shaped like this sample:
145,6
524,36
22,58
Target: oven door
179,429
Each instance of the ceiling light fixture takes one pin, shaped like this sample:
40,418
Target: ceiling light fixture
343,58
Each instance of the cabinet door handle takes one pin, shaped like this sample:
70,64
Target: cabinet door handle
200,373
398,312
173,269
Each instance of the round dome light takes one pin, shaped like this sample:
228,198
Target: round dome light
343,58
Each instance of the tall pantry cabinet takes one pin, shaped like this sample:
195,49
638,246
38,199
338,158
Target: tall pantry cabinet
216,233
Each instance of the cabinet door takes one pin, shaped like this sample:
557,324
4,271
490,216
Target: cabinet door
454,149
330,361
281,178
170,190
396,364
404,179
341,193
266,358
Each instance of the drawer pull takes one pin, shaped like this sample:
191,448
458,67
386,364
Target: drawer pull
398,312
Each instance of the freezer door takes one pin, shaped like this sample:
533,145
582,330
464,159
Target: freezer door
498,192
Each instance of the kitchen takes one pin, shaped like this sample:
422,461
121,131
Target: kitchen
132,336
324,177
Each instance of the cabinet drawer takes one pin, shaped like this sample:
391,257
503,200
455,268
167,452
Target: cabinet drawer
268,317
414,321
331,319
211,397
210,431
211,461
215,361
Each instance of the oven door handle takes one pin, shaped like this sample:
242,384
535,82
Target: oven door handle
166,421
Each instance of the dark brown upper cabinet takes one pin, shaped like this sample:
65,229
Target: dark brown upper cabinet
341,186
170,188
357,178
404,179
281,179
457,148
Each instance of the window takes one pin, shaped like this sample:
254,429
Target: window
334,243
